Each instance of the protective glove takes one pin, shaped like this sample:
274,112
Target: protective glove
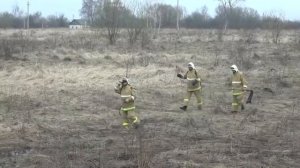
127,100
130,99
180,76
244,87
194,82
117,89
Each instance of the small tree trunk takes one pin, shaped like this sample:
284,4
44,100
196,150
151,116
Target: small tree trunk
159,23
177,15
225,26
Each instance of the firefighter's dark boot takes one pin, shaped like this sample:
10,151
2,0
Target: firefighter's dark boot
183,108
242,107
135,125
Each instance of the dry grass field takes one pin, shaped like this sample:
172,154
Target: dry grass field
58,108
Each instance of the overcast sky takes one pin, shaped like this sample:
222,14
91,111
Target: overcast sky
290,8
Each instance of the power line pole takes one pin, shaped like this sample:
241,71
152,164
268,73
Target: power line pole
28,14
177,15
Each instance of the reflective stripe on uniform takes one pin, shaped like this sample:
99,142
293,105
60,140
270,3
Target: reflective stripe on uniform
235,104
125,125
200,103
124,96
135,120
236,82
237,94
186,100
127,109
198,79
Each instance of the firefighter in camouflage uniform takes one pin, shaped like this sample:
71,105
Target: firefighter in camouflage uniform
127,110
238,88
193,86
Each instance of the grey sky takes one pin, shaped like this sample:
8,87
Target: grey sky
290,8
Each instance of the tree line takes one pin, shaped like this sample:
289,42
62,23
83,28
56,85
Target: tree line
17,19
165,15
152,13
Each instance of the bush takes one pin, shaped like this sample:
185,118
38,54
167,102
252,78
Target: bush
146,38
6,50
108,57
67,59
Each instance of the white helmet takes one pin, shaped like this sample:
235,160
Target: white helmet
124,80
191,65
234,67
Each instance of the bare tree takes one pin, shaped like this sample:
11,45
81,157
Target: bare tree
164,15
112,20
178,13
89,9
274,22
204,13
27,14
157,12
153,17
108,15
16,11
151,8
228,6
136,22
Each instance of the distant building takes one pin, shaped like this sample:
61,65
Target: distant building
77,24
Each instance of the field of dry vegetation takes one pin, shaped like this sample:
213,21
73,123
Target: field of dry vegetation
58,108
